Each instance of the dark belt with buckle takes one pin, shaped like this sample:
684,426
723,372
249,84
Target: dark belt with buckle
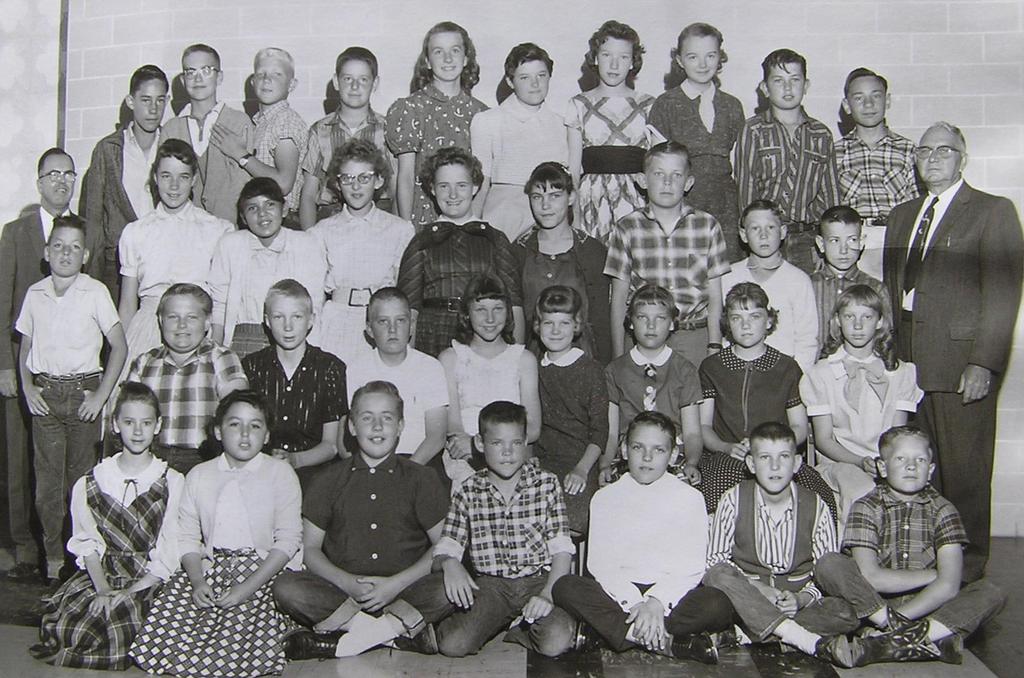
800,227
877,221
693,324
450,304
359,296
65,379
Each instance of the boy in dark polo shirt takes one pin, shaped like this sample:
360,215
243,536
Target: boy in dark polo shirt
368,526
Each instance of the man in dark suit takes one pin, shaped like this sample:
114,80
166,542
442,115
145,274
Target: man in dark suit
22,265
953,267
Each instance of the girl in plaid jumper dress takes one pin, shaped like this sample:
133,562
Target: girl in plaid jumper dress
240,525
122,541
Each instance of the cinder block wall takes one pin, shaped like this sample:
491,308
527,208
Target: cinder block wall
959,60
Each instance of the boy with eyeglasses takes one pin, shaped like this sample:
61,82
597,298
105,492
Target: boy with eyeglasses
221,177
280,137
21,266
355,79
364,246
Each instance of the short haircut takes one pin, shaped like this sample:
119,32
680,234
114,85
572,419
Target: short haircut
667,148
277,54
180,150
523,53
258,187
136,392
501,412
186,290
359,150
862,72
655,295
247,396
656,419
450,155
290,288
72,221
423,76
550,173
379,387
746,295
50,152
144,74
200,47
702,30
761,205
386,294
782,58
887,441
772,431
357,54
559,299
951,128
619,31
842,214
479,288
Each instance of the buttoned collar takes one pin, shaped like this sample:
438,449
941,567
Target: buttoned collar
947,195
205,346
651,221
769,117
886,139
185,213
762,506
434,93
276,246
359,464
251,466
828,273
926,496
77,286
570,357
658,360
372,118
763,363
215,111
131,140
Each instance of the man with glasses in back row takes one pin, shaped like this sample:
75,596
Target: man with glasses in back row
22,265
953,267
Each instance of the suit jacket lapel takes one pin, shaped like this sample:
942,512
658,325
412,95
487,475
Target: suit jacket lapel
124,204
950,218
35,235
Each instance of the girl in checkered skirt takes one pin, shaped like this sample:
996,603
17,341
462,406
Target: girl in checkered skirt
240,525
122,541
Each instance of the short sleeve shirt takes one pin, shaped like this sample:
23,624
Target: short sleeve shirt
905,533
314,395
665,388
275,124
375,519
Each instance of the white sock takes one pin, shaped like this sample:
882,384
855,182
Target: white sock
364,633
792,633
937,631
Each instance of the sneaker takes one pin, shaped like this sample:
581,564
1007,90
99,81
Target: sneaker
305,644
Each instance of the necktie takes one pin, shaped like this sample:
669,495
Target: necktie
917,247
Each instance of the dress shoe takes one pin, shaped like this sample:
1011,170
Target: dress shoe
424,642
305,644
699,647
835,650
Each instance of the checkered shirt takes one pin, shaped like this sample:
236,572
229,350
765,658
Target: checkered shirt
906,534
274,125
682,262
330,133
798,174
874,180
189,393
511,540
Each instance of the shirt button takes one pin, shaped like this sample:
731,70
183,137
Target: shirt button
549,275
906,556
373,556
373,497
372,471
288,388
284,418
373,526
906,527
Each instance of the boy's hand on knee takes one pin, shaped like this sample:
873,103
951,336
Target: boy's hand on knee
648,620
34,399
91,406
537,607
458,585
786,602
378,592
574,482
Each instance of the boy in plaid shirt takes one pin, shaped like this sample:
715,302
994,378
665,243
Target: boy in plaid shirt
905,560
511,517
670,244
189,374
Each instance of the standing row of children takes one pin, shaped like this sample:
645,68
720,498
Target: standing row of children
677,316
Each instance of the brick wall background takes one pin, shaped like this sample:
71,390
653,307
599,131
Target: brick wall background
959,60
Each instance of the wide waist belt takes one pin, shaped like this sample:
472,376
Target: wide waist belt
450,304
613,160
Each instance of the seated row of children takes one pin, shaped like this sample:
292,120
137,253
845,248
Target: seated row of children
372,552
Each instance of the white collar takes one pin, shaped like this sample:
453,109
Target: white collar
250,466
947,194
657,361
691,90
571,356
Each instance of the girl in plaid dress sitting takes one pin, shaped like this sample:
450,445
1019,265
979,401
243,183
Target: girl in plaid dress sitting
122,542
240,525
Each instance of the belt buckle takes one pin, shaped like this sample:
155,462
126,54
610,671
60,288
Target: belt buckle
359,296
454,304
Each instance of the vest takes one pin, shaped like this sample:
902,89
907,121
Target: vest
744,550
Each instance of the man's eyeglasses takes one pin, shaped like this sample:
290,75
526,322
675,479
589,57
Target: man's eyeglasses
205,71
940,152
349,179
57,175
